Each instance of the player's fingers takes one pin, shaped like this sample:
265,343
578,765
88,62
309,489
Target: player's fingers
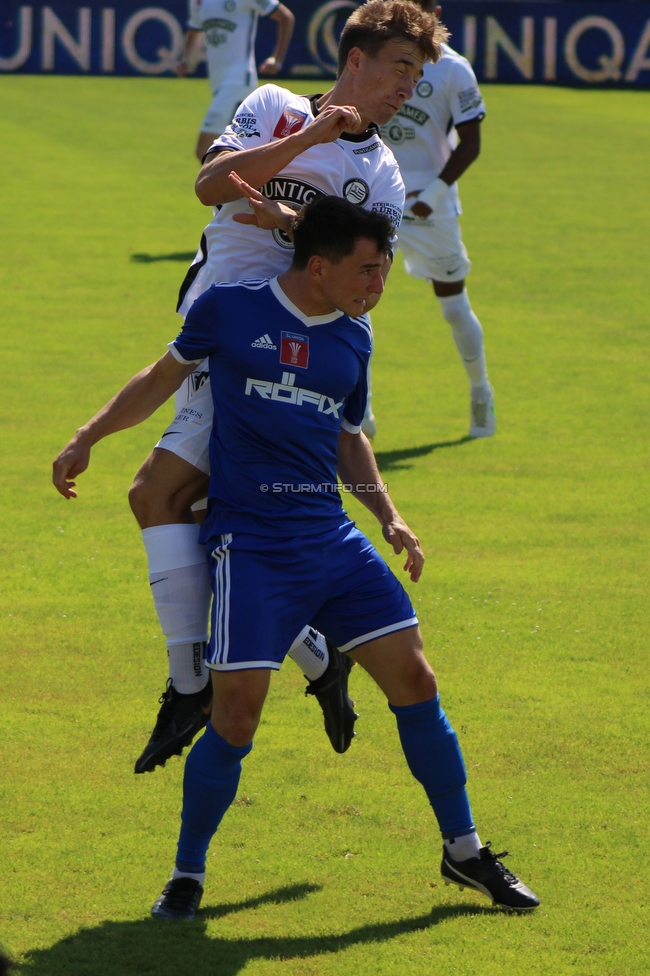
352,118
245,187
244,218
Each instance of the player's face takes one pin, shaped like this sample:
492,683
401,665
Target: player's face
385,82
355,281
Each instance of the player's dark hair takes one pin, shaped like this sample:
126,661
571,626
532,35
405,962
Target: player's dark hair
375,23
331,227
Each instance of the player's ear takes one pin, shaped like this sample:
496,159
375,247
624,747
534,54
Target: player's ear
315,266
355,57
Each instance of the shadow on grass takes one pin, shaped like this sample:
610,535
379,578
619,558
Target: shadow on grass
150,258
391,460
151,946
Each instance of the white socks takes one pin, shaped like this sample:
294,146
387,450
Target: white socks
468,336
180,586
185,874
462,848
309,651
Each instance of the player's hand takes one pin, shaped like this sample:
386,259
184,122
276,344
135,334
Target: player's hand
182,67
419,208
333,122
398,535
267,214
73,459
270,67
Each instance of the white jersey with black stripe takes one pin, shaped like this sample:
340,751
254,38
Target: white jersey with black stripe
359,168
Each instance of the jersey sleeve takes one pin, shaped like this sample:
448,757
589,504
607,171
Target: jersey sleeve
194,20
355,405
254,120
199,337
387,194
265,7
465,100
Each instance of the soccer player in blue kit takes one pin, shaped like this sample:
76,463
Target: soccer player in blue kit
282,550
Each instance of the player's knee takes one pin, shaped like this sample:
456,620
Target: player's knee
420,680
237,729
141,496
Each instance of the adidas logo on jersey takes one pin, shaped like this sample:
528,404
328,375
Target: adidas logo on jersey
264,342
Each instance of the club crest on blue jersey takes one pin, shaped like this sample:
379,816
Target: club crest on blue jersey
294,350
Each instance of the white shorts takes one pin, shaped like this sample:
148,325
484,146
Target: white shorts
188,435
225,102
433,249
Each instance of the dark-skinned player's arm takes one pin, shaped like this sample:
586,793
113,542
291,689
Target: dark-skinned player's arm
358,471
141,397
467,150
257,166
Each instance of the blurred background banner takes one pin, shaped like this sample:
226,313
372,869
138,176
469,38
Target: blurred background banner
570,43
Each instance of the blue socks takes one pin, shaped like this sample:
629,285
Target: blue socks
432,752
212,771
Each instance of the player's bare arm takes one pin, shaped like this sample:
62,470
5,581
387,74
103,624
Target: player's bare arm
267,214
357,467
465,153
286,22
257,166
139,399
191,48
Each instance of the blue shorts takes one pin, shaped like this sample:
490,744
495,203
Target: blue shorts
266,590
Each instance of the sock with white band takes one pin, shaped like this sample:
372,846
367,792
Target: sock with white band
462,848
200,877
309,651
181,591
468,336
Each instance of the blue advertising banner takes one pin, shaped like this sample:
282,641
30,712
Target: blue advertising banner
586,44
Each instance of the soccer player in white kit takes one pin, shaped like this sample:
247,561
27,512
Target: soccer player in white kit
229,28
435,137
296,149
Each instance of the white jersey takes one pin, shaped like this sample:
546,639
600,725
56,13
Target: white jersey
359,168
423,133
230,27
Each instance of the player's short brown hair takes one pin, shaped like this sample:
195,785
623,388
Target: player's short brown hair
375,23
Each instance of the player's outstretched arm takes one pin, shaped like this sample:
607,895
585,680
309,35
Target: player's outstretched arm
257,166
141,397
358,471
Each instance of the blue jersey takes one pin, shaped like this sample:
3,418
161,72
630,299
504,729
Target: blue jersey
283,385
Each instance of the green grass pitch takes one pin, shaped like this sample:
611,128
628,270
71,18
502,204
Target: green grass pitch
532,604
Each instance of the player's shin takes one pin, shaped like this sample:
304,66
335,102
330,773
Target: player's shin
468,336
433,754
180,587
212,772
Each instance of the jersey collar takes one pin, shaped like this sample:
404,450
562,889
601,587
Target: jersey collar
307,320
372,130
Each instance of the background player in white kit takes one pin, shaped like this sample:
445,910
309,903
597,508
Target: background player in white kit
435,138
229,28
297,149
